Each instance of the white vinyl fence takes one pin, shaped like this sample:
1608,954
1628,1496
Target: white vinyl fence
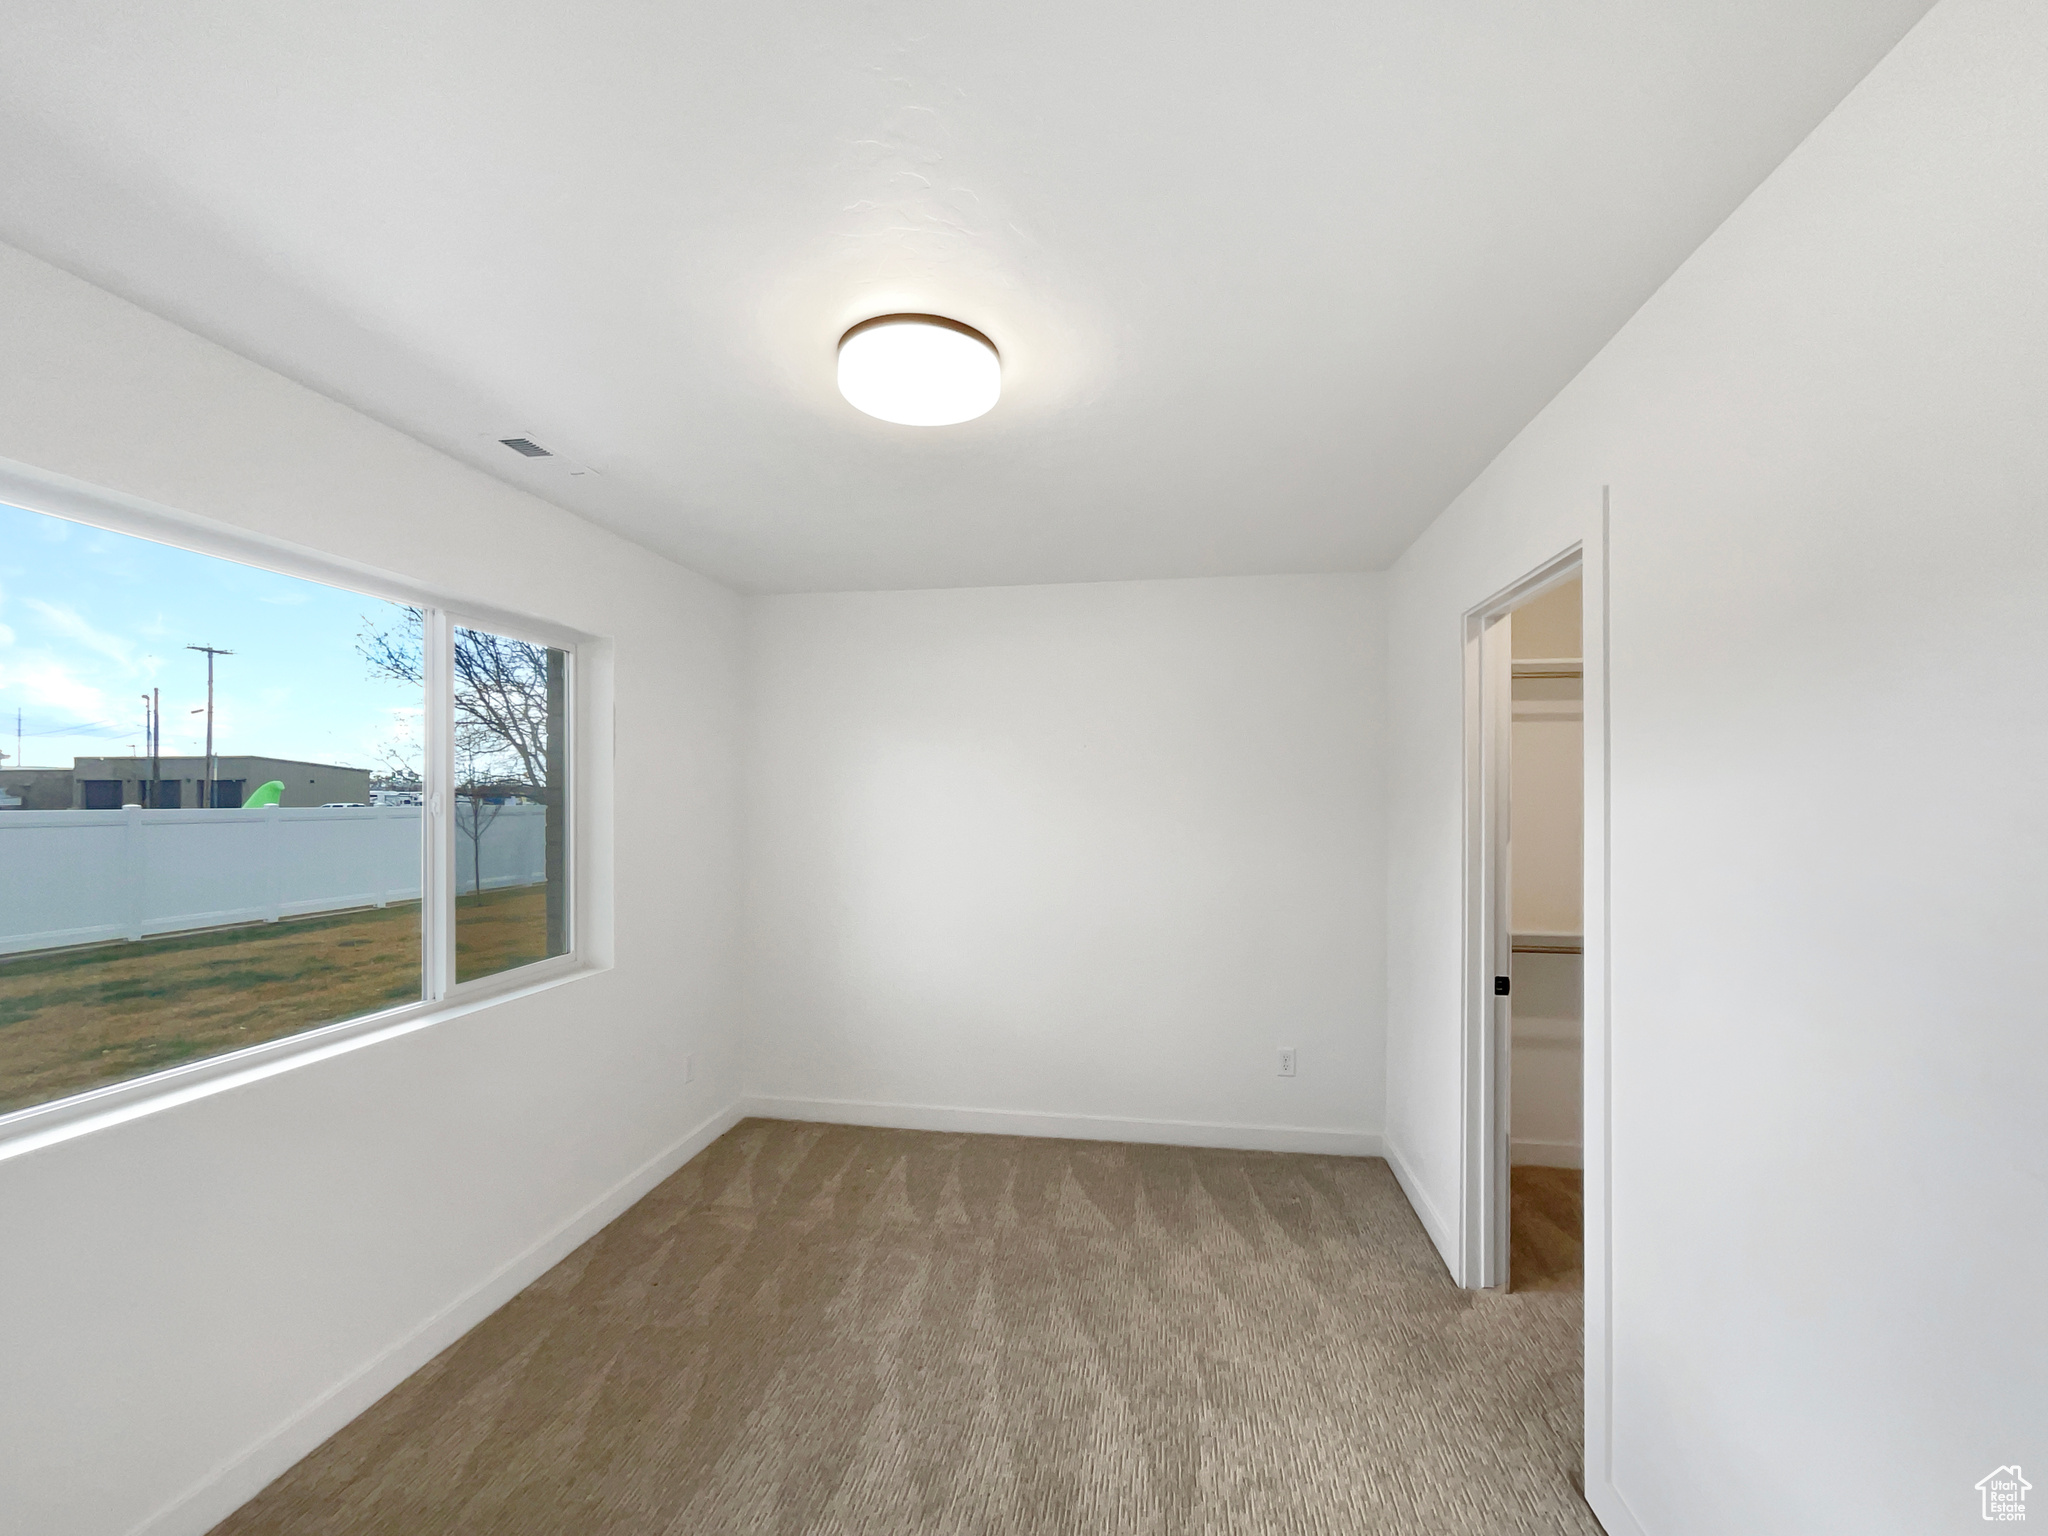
81,877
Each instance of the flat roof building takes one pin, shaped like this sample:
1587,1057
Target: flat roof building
108,783
35,789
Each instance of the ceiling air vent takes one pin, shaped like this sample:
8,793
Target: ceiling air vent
544,463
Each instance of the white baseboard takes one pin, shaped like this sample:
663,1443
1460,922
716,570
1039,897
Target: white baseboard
228,1487
1432,1219
1611,1509
1011,1122
1530,1152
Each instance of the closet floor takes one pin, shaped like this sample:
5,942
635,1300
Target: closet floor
1546,1229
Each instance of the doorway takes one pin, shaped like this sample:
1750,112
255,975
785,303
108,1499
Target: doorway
1524,1215
1545,1003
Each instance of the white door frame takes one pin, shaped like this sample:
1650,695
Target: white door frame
1480,1175
1487,1044
1487,920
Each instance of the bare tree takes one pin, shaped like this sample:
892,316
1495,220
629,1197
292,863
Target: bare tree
397,766
501,692
473,792
510,729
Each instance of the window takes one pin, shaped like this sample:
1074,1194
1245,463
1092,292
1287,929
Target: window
239,805
511,721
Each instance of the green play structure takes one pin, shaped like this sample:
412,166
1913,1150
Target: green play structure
266,794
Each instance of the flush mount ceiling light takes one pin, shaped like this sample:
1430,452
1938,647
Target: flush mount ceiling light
919,370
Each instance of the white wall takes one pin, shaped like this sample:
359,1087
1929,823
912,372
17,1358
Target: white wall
1547,829
192,1298
1547,823
1547,767
1829,556
1551,624
1546,900
1023,856
1548,1066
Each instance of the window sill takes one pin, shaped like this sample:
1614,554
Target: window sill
42,1125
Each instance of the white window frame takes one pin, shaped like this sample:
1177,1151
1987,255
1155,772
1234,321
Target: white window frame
437,851
441,996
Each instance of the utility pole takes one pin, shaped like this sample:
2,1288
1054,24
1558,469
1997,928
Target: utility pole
152,742
206,790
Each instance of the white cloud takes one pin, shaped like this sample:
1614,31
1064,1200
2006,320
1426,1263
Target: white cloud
72,625
6,635
53,685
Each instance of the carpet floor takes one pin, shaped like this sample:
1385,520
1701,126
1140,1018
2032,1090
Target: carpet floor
813,1329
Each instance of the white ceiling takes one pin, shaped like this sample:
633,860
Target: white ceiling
1272,281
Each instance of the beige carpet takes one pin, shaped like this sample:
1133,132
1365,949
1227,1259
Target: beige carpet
817,1329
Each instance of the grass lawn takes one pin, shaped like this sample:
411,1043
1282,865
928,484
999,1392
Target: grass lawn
72,1019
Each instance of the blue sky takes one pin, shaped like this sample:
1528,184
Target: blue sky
90,621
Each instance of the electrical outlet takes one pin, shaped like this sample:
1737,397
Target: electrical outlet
1287,1061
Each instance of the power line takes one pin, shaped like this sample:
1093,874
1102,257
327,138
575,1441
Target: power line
76,728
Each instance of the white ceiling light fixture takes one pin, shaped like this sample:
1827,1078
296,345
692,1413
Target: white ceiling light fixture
919,370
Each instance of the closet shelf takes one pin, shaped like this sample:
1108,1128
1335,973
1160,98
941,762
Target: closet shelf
1537,942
